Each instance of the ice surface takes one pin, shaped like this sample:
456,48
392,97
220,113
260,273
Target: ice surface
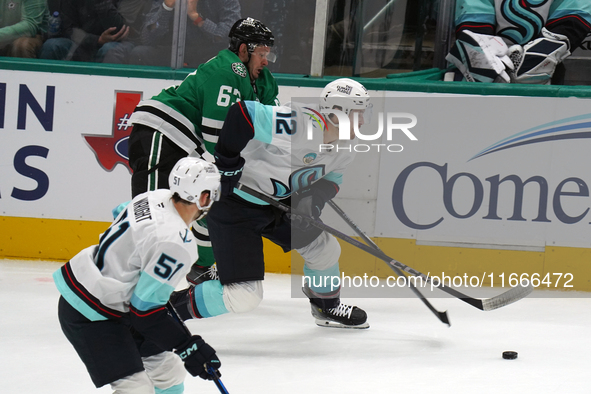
278,349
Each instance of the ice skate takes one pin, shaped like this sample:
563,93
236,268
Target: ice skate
342,316
200,274
331,312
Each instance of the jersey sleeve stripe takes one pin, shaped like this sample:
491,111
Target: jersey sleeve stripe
213,123
75,288
482,28
169,112
582,17
178,132
74,300
141,313
250,107
211,138
200,238
150,293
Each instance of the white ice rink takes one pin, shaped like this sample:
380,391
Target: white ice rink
278,348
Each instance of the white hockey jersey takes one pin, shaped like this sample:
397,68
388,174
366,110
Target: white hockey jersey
285,155
138,263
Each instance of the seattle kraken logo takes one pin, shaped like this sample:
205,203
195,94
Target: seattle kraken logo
521,21
298,179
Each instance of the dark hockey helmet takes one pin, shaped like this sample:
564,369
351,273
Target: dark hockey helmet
250,32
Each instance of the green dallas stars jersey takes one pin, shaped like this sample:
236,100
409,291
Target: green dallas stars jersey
192,113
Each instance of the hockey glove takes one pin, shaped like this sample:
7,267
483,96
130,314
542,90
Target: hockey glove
480,57
230,170
310,205
536,61
198,356
311,201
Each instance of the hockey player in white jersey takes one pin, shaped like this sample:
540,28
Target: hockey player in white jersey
113,295
270,150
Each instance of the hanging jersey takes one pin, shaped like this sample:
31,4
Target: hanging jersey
137,264
521,21
284,155
192,113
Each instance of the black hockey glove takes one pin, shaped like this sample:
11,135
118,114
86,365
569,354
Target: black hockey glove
230,170
198,356
311,201
309,205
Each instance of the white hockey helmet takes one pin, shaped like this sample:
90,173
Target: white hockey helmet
344,93
192,176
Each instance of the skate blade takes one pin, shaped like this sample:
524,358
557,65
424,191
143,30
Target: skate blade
334,324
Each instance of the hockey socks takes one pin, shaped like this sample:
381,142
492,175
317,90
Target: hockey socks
202,301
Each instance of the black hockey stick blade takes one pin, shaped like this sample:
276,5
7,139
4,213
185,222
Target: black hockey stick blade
442,316
488,304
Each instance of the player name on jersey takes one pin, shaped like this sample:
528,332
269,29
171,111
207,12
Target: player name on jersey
141,210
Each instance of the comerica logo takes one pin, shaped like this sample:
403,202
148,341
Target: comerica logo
513,184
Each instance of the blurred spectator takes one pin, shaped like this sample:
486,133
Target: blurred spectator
22,24
292,23
89,30
134,12
276,13
208,25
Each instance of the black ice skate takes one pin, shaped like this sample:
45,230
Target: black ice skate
200,274
331,312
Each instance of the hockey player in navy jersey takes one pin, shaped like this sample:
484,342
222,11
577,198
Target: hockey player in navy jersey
270,150
518,41
113,295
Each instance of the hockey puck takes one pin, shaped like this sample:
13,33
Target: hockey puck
509,355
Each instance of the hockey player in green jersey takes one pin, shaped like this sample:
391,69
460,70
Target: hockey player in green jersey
185,120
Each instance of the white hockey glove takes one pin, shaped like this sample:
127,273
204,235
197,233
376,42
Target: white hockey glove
536,61
480,57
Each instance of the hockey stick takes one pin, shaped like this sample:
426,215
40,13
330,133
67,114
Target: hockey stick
487,304
210,369
442,316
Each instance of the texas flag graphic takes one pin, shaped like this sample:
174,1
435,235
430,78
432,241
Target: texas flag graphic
110,150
